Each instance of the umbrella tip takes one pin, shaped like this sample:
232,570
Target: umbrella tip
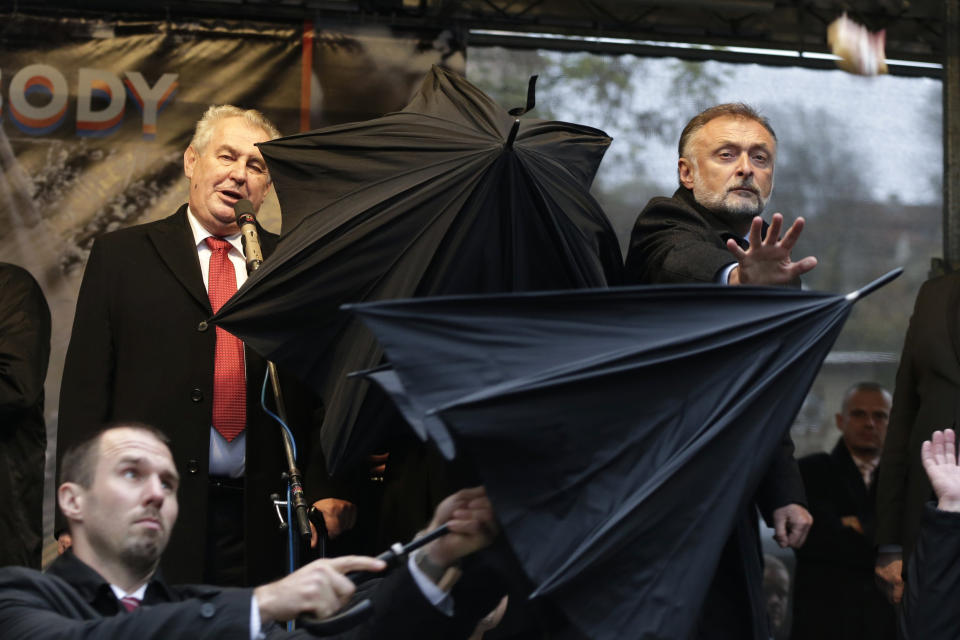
876,284
513,133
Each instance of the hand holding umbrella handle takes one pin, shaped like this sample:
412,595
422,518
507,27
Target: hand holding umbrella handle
364,609
397,552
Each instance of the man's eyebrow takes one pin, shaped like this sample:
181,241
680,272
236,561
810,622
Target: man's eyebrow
226,146
138,460
720,144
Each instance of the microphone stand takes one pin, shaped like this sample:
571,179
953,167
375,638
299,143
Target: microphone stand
251,249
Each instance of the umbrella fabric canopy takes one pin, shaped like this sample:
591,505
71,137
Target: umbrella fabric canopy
434,199
619,432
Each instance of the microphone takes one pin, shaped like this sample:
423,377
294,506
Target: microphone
246,220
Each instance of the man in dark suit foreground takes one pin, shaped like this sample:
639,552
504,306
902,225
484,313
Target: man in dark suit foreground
119,496
711,231
142,350
835,595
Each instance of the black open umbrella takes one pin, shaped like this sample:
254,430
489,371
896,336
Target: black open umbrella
619,432
450,195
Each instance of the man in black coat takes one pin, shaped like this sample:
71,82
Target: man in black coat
835,594
120,499
142,350
925,398
711,231
24,355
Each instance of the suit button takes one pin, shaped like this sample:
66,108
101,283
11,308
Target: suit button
193,466
207,610
202,326
196,395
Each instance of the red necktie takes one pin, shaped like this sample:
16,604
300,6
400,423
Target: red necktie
229,379
130,603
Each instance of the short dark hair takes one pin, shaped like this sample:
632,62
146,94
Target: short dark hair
862,386
79,463
735,109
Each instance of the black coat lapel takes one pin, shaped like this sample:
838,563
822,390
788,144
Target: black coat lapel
174,242
850,472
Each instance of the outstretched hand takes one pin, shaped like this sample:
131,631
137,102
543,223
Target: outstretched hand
939,456
767,260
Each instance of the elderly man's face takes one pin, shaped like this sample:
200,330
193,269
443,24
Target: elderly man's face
728,164
230,168
130,507
863,421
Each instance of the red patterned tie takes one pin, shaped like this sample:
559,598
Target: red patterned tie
130,603
229,379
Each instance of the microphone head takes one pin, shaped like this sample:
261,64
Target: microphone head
243,208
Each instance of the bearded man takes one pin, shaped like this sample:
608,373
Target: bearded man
711,231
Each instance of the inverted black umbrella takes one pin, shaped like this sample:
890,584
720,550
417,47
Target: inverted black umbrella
450,195
619,432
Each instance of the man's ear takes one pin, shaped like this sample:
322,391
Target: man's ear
839,418
685,172
70,496
189,161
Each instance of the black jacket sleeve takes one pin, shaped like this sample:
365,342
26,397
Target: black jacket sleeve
782,483
24,341
673,243
933,580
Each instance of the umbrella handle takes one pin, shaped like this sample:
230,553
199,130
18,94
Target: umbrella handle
364,609
338,623
531,99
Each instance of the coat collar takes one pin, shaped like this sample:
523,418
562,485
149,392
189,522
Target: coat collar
849,470
173,240
717,222
96,591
